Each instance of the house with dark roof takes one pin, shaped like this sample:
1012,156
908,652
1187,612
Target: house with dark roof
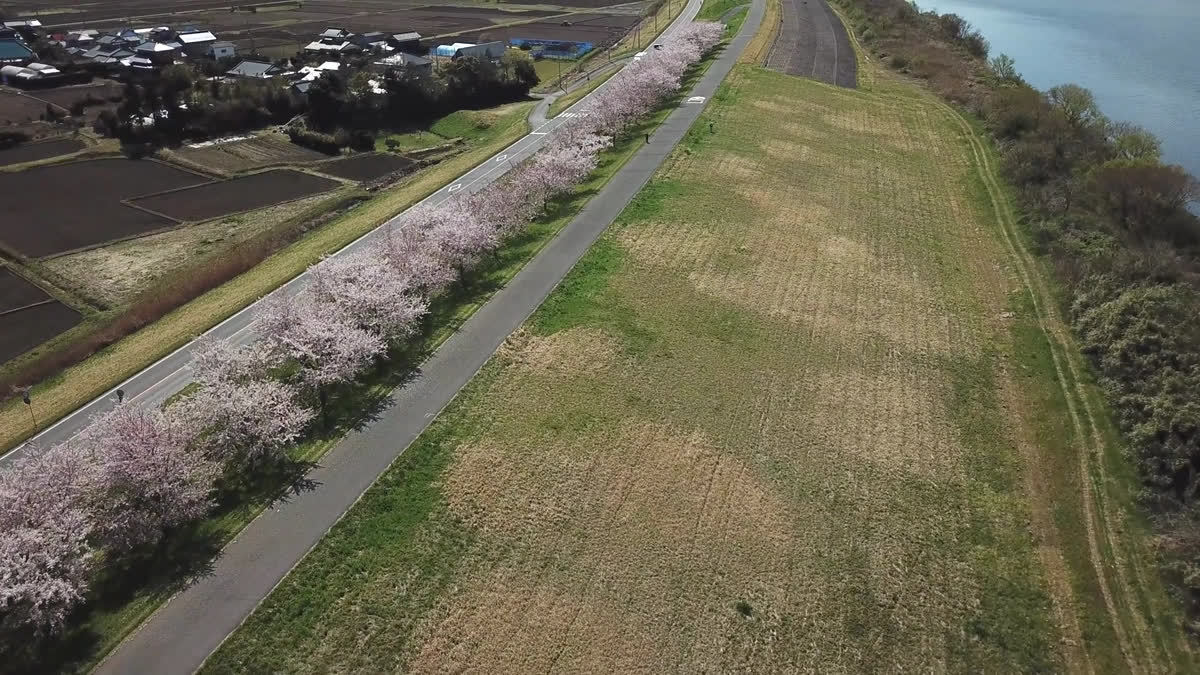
372,42
335,35
406,42
26,28
404,60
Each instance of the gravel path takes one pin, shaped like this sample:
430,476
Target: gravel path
812,42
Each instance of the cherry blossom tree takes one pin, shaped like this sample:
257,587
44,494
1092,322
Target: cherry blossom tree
239,413
325,350
46,559
408,249
148,477
237,422
363,289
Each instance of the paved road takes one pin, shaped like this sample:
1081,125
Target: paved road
812,42
169,375
178,637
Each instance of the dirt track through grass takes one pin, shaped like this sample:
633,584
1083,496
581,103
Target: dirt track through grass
794,412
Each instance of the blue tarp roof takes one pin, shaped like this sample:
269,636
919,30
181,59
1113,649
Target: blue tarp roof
14,49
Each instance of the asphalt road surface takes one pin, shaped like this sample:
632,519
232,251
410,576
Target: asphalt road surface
812,42
181,634
159,381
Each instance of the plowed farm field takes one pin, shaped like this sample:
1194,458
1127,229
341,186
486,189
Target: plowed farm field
791,413
235,195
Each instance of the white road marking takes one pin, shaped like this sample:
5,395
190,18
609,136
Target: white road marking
696,99
501,158
454,188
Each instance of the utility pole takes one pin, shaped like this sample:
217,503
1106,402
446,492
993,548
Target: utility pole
29,406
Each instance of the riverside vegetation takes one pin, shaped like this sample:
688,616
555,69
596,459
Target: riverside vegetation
1113,222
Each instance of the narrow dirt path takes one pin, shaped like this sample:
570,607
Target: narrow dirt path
1136,642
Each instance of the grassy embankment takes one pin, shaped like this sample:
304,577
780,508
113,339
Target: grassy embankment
125,602
488,131
797,410
1086,483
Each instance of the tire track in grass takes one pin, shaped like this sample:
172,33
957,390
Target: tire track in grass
1062,593
1137,653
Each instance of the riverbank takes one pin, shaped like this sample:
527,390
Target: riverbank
1105,219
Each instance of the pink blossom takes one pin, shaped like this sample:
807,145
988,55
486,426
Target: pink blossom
45,556
326,350
148,478
248,420
363,289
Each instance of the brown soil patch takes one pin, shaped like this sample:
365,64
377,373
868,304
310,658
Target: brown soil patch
575,351
597,525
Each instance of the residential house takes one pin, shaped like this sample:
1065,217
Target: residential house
156,53
221,50
372,42
196,43
407,42
311,73
484,50
403,60
254,70
346,47
333,41
335,35
300,89
26,28
81,38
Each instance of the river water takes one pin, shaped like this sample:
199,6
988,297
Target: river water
1140,58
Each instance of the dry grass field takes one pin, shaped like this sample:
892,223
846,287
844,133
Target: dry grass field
795,412
269,149
116,273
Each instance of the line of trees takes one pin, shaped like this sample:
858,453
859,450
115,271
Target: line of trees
1114,219
175,105
136,473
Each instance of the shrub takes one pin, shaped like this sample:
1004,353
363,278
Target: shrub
314,140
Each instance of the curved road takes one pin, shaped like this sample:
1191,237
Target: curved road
156,383
182,633
812,42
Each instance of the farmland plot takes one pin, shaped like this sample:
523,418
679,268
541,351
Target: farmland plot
244,193
28,316
252,153
32,152
39,221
